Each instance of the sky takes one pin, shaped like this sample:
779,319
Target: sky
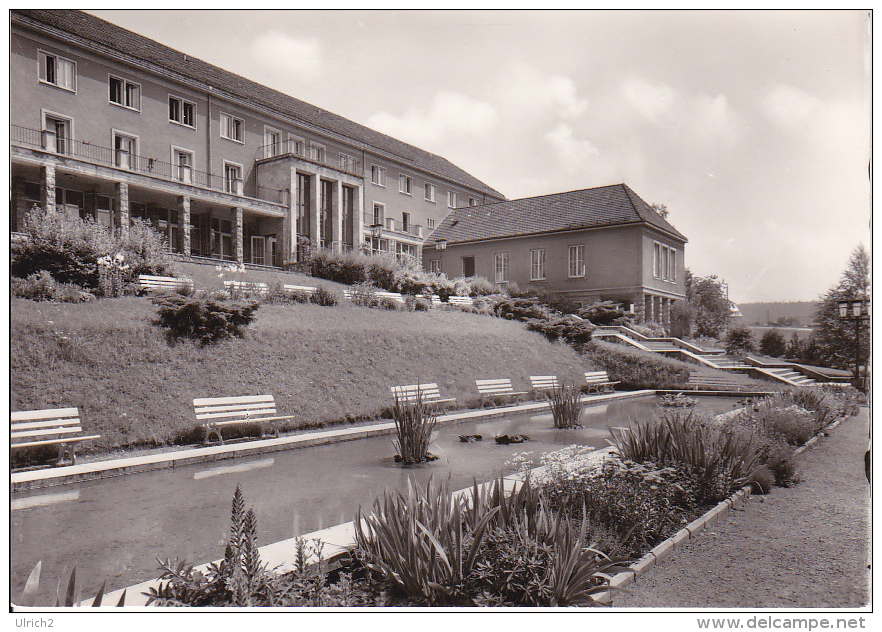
752,127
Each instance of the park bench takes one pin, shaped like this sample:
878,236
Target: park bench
461,301
151,283
429,393
721,382
599,382
59,426
246,287
377,294
216,412
544,382
299,290
493,389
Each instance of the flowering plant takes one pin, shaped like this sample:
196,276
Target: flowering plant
110,274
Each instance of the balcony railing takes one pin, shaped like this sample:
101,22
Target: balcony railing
122,159
394,226
318,155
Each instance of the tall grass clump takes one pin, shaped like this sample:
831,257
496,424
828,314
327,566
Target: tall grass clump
414,423
717,462
565,403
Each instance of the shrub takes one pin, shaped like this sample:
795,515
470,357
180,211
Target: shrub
414,423
574,332
69,248
602,313
324,297
205,320
42,287
682,316
739,340
347,268
565,403
442,286
772,344
389,303
381,272
521,309
481,286
634,369
363,294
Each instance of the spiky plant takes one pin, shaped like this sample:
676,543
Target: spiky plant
566,405
72,594
414,422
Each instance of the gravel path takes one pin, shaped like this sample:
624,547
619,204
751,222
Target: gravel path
803,547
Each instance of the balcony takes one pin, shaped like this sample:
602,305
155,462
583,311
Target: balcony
303,151
394,226
122,159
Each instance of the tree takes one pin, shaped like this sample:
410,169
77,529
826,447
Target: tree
708,300
739,340
661,209
682,315
834,337
794,347
772,344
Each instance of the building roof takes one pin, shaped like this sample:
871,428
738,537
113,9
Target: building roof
600,207
104,34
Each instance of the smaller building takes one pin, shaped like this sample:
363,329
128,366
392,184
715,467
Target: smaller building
600,244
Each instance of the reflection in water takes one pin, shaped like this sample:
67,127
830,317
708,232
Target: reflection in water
43,500
232,469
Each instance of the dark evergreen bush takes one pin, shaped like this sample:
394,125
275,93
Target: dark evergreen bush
205,320
739,340
772,344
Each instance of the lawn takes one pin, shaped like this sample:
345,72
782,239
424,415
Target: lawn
322,364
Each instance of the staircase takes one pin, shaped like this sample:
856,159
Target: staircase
790,376
660,347
723,361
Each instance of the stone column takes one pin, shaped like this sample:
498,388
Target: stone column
315,215
47,187
239,235
337,217
358,220
121,193
666,307
639,308
649,309
19,204
184,219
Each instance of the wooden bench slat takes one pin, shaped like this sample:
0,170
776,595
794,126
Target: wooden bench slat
49,413
544,381
245,399
256,406
243,414
45,432
30,425
31,444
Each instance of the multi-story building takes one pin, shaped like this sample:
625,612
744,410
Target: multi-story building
110,124
600,244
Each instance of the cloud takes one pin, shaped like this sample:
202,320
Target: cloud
789,107
282,52
653,101
526,92
572,152
449,113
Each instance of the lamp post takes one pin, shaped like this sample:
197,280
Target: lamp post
376,232
857,310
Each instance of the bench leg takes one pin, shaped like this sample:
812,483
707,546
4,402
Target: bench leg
211,429
66,450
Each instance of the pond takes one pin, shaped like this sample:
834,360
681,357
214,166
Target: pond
115,528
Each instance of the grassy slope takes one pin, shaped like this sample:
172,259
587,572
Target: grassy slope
320,363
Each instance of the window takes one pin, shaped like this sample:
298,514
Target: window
296,145
537,265
473,201
656,260
577,261
125,148
232,128
672,275
125,93
379,212
468,266
665,262
435,266
405,222
272,141
501,267
57,71
451,199
348,163
405,184
430,192
181,111
182,159
378,175
63,128
232,177
316,152
430,222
